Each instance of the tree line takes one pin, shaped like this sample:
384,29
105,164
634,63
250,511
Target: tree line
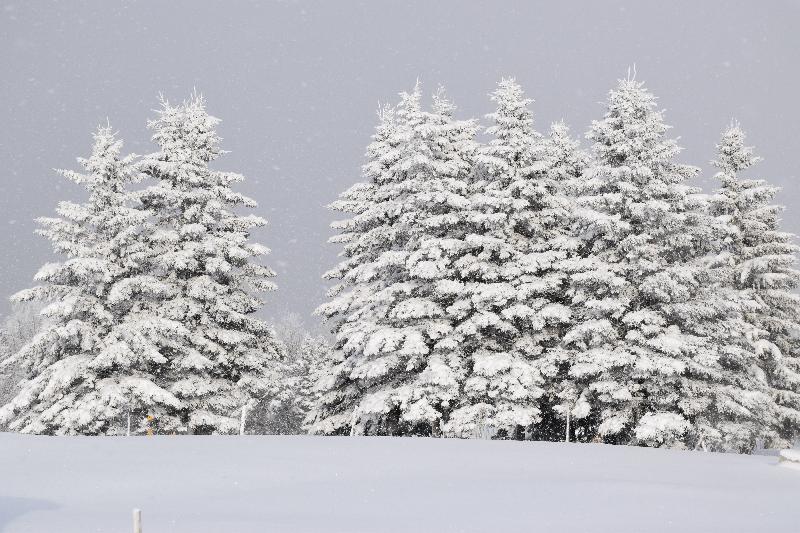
518,286
526,288
149,321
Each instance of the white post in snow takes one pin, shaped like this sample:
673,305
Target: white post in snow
137,521
130,401
244,419
566,436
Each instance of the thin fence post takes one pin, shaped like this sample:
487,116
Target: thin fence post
137,521
566,437
243,421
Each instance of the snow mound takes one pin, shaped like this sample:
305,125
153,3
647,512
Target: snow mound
349,484
790,458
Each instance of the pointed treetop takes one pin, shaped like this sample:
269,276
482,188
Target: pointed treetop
105,148
633,130
187,127
442,105
106,171
632,101
512,118
412,99
508,90
732,154
410,107
511,102
559,130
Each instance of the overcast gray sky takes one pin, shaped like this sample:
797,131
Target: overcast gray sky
297,85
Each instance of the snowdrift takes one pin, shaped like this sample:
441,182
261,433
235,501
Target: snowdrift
790,458
318,484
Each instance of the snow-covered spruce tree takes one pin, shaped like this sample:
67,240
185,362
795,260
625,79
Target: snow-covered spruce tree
516,274
307,359
17,329
662,356
758,260
500,320
201,251
402,366
86,371
298,395
365,236
554,246
472,257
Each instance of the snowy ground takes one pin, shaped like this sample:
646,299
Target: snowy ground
315,484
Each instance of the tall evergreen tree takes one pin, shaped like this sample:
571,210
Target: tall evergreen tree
401,370
555,247
227,358
87,371
524,207
663,360
365,236
496,279
759,262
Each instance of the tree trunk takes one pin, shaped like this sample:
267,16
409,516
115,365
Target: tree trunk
566,436
243,420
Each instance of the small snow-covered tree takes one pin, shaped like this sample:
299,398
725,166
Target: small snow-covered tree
223,357
663,357
401,369
86,372
758,262
306,360
308,363
17,329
